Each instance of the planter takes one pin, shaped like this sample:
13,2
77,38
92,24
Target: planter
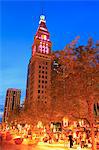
97,145
8,136
18,141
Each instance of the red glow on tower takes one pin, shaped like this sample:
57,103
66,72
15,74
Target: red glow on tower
42,43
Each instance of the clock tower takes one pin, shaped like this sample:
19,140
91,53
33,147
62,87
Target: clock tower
39,69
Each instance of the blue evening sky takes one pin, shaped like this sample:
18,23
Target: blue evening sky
19,21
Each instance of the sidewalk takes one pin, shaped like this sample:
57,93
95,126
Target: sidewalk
58,146
40,146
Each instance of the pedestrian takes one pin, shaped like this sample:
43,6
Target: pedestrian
50,138
71,140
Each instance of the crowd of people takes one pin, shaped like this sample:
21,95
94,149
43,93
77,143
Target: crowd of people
72,138
69,138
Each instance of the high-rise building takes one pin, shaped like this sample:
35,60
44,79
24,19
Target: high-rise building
12,102
39,68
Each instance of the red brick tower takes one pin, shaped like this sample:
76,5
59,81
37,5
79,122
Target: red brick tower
39,68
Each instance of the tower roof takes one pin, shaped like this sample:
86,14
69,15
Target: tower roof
42,43
42,25
42,19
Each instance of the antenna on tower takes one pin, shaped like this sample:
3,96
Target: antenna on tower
42,11
42,8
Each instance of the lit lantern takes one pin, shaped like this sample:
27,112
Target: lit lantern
54,129
80,123
51,126
39,125
75,124
65,122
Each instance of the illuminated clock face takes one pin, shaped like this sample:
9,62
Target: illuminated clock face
43,49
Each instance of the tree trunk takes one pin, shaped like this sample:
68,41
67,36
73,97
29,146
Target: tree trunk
93,137
91,120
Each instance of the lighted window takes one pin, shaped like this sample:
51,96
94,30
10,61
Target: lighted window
43,37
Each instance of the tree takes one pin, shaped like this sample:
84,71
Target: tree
77,72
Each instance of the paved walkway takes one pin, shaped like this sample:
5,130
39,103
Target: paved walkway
40,146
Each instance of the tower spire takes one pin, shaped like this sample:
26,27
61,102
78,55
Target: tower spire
42,11
42,19
42,7
42,43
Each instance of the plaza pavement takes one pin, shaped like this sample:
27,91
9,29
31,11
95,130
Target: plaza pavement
40,146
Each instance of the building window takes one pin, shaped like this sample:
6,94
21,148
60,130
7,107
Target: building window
46,77
38,97
46,67
42,71
46,72
42,91
46,63
42,81
38,91
39,71
39,86
39,81
42,76
42,86
39,66
45,81
39,76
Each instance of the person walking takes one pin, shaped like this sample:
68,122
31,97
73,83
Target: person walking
71,140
